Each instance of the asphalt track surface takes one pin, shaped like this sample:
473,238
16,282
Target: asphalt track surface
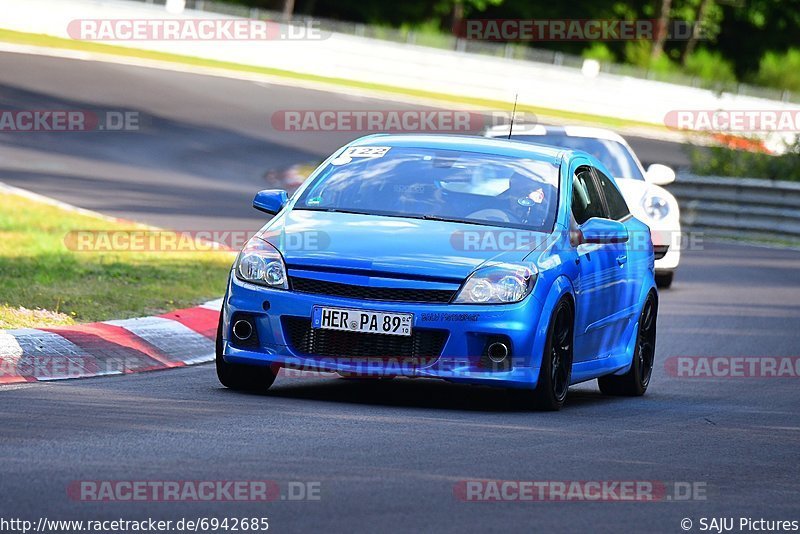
387,455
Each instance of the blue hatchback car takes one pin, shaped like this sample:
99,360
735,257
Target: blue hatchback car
474,260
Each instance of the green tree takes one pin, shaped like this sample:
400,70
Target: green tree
781,71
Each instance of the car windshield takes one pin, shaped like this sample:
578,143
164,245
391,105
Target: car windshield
617,158
438,184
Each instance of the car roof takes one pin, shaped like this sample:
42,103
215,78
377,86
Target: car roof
466,143
570,131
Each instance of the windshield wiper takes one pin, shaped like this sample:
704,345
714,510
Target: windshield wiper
438,218
334,210
445,219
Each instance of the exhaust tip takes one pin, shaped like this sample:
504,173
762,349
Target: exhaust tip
242,330
497,352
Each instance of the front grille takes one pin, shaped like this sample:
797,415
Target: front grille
390,294
659,251
422,345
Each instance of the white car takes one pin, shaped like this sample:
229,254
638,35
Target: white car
647,200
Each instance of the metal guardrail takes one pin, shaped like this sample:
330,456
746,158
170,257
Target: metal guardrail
739,207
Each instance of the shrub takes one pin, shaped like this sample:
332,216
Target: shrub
780,70
600,52
710,66
721,161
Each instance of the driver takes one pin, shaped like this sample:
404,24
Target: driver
525,200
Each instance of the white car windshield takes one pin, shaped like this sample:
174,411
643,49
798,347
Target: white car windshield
617,158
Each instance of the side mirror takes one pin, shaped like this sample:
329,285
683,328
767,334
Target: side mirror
659,174
602,231
270,200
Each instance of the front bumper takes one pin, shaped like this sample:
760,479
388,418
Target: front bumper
466,331
670,238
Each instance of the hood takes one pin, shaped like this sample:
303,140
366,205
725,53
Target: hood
410,248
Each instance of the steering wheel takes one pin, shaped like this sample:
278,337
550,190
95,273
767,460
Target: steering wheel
491,214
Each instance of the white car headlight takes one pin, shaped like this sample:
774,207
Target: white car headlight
503,283
260,263
655,206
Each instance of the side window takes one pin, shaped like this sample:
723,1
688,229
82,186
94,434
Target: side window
586,200
617,207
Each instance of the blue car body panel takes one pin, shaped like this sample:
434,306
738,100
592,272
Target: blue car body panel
607,283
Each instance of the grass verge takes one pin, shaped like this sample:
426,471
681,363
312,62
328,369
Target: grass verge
10,36
43,282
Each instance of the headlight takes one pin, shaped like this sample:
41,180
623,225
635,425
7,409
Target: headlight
655,207
503,283
259,263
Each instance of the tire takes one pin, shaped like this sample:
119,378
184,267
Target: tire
664,280
634,383
238,376
556,369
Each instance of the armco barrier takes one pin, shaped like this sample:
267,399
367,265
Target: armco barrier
739,207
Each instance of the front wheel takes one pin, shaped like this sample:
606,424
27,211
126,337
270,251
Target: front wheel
556,369
634,383
239,376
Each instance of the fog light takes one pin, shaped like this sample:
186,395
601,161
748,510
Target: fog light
497,352
242,330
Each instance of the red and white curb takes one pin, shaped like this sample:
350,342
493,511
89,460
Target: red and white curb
175,339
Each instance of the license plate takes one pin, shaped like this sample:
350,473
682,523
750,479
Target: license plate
368,322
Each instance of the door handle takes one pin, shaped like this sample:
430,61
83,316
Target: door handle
621,259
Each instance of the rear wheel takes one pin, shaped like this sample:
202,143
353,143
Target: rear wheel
556,369
664,280
239,376
634,383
